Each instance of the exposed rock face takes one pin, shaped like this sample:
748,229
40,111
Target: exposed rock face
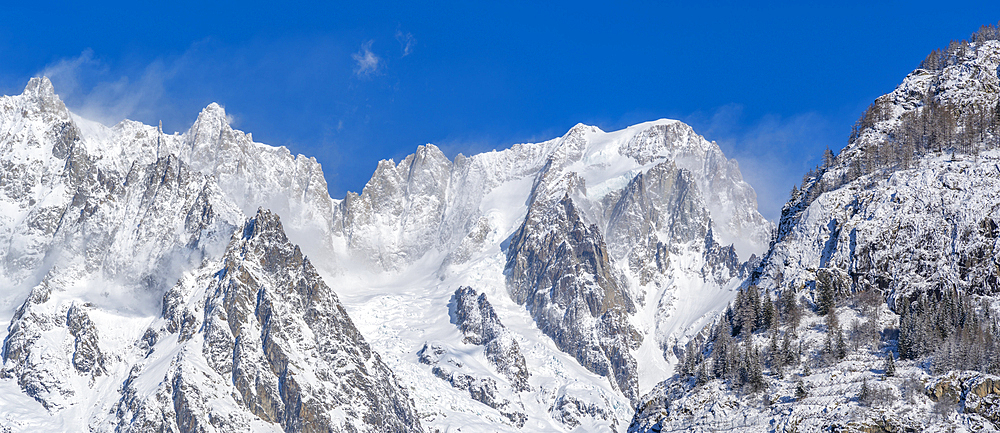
480,324
87,356
279,339
730,201
569,410
395,219
558,266
449,368
663,202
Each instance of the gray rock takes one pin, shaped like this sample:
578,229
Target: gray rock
558,267
483,389
87,356
480,324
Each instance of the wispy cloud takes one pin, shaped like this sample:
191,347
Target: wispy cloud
773,151
406,42
83,82
367,63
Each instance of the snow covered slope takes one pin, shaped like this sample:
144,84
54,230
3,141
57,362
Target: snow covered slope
117,265
126,267
879,243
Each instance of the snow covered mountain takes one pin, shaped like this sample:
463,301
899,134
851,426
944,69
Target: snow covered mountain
882,282
205,282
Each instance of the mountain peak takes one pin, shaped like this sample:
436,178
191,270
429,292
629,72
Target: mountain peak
39,87
213,113
40,93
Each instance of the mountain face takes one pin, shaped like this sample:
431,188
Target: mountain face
150,303
205,282
278,343
881,283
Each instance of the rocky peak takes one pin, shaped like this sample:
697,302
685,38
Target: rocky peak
571,146
278,343
476,318
41,93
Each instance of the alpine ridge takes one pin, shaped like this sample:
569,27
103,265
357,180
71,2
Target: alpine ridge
201,281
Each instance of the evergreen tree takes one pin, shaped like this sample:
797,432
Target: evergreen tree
773,349
753,376
890,365
828,158
840,346
800,390
787,354
865,395
769,313
790,309
827,298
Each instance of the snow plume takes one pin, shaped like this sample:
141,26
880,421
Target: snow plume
85,84
367,62
406,42
773,151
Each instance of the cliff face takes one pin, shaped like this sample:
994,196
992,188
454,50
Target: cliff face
278,343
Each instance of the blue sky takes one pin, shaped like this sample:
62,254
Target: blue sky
774,83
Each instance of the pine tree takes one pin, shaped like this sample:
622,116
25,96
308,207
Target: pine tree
828,158
827,299
800,390
722,352
769,313
840,348
754,375
890,365
787,355
791,309
865,395
773,349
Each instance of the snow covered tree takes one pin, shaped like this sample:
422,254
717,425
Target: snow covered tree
752,374
769,313
787,353
801,391
865,395
790,309
890,365
828,158
827,298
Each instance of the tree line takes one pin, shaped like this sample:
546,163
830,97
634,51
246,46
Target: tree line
933,126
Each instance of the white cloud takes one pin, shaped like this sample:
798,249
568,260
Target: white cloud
406,42
83,82
367,62
773,151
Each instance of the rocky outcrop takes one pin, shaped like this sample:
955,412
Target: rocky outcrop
656,214
87,356
558,267
976,393
475,317
448,367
